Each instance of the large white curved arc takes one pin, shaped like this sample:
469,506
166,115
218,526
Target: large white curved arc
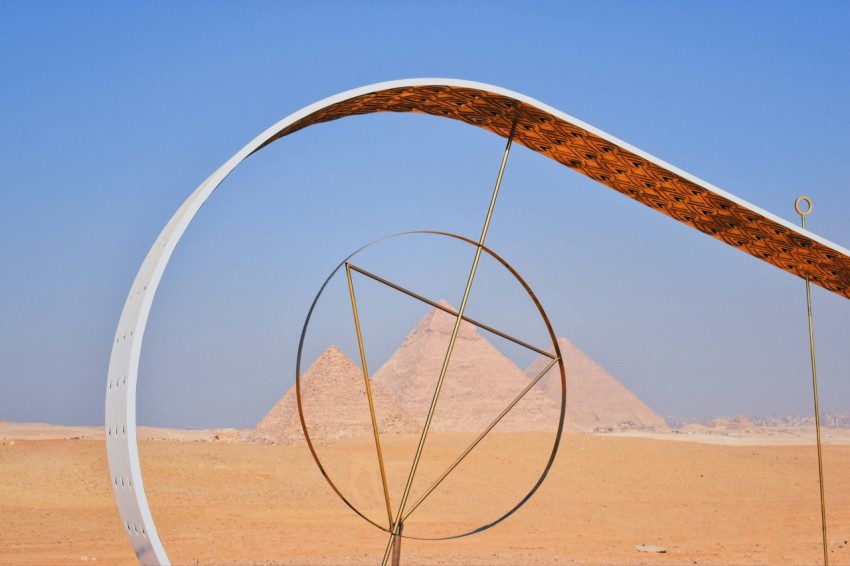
120,413
123,367
122,445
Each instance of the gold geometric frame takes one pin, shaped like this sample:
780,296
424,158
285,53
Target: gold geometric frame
554,359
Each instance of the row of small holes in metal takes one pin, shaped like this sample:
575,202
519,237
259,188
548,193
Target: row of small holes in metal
126,483
113,431
136,293
115,383
120,339
123,337
134,530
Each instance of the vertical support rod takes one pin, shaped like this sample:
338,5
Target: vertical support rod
369,393
394,533
803,214
397,546
817,422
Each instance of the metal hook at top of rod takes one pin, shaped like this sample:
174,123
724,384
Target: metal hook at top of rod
803,199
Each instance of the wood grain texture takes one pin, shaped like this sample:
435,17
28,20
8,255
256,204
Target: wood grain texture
606,160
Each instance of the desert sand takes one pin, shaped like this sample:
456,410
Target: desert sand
224,502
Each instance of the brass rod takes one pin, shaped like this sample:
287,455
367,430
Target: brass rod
803,214
817,422
452,340
369,393
480,437
397,545
451,311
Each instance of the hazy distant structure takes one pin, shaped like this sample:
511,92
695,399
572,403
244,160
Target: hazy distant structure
596,400
571,142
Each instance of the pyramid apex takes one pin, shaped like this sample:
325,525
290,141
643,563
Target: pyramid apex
332,352
332,356
440,322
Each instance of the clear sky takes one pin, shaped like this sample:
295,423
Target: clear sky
112,113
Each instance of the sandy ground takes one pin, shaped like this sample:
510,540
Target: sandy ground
228,502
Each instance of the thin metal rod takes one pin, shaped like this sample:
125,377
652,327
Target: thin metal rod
397,545
369,393
452,340
451,311
817,408
480,437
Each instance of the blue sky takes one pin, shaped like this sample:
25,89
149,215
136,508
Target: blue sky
113,113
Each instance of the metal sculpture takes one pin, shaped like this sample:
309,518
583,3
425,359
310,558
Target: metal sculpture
396,521
537,126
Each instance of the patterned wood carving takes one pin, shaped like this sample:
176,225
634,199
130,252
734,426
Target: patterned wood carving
614,167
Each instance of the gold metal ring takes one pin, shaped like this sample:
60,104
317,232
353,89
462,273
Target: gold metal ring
807,201
559,363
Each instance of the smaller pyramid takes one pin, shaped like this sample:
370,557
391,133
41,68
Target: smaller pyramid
596,401
335,403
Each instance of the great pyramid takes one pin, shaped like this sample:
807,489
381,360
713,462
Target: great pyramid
596,401
479,384
335,406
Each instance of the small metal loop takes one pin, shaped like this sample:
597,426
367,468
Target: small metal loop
807,201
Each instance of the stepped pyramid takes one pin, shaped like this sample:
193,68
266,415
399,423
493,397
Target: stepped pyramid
479,384
335,406
595,399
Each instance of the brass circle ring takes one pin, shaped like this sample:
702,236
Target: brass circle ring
561,373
